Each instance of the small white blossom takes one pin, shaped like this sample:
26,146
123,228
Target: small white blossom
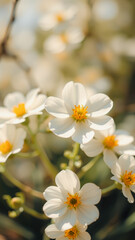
57,14
17,107
67,203
111,142
124,173
11,141
77,232
77,115
66,40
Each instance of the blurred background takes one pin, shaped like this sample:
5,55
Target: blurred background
49,44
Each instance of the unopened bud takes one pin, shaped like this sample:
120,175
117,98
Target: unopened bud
16,202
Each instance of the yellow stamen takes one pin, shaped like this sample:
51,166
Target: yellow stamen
5,147
19,110
79,113
60,17
71,233
73,201
110,142
64,38
128,178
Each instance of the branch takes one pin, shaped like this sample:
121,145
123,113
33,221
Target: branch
3,50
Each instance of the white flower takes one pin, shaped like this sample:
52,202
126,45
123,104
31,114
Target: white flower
17,107
77,232
11,141
67,203
64,41
124,173
57,14
77,115
111,143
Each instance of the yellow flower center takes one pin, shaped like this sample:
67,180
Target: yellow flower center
128,178
73,201
79,113
5,147
71,233
59,17
19,110
110,142
64,38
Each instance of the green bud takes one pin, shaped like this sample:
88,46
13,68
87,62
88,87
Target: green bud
63,166
67,154
16,202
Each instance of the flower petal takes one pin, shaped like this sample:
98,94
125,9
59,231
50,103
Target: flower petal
62,127
90,193
84,236
37,105
74,94
86,214
83,133
127,193
109,157
54,208
52,232
52,192
68,181
20,135
4,157
66,221
101,123
5,115
92,148
126,162
123,137
13,99
99,105
129,149
55,106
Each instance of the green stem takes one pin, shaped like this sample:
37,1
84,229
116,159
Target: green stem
108,189
22,186
76,148
52,171
88,166
28,154
34,213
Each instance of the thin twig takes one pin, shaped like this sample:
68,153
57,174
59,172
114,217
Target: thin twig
3,50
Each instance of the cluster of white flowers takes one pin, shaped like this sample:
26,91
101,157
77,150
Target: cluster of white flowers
84,118
58,18
71,208
16,109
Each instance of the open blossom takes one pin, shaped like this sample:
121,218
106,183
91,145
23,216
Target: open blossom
67,203
77,114
124,173
11,141
111,142
57,14
66,40
18,107
77,232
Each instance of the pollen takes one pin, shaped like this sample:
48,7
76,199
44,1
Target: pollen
71,233
5,147
59,17
19,110
79,113
128,178
110,142
73,201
